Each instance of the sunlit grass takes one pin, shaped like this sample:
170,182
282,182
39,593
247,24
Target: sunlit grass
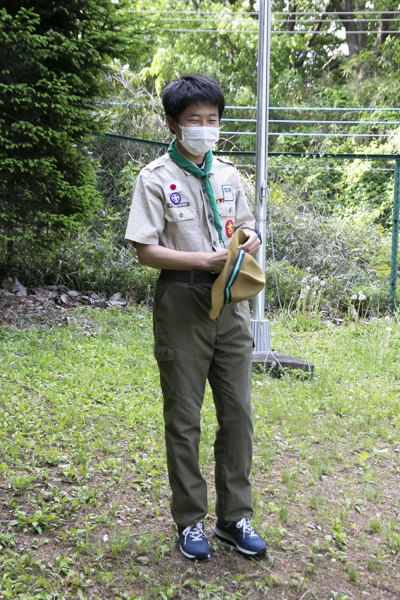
82,453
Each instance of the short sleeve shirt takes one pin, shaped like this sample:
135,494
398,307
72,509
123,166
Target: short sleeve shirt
170,207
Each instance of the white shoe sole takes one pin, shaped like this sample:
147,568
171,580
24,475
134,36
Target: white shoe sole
201,556
227,537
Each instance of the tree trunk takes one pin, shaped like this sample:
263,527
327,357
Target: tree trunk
310,41
356,40
290,20
383,30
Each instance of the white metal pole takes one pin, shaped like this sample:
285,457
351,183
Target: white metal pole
260,326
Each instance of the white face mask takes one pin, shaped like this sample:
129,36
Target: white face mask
198,140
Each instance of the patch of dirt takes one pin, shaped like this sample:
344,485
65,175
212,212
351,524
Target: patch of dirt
50,305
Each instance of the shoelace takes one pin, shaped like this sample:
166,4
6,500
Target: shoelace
246,526
196,533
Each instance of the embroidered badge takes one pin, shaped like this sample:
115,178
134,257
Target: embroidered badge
172,186
175,198
229,228
227,192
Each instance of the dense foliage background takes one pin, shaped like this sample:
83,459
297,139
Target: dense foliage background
78,68
54,58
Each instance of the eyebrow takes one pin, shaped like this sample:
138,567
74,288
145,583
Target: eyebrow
198,115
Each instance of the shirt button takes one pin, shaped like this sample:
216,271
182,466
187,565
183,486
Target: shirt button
181,215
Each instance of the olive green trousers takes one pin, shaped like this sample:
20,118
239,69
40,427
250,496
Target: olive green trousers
191,348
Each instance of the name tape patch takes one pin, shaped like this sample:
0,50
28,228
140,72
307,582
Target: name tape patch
180,205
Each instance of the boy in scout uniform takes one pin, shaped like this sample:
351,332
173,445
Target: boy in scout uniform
186,206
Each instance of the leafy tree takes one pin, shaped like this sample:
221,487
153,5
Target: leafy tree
333,64
53,59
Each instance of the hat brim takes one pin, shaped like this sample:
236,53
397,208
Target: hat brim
236,285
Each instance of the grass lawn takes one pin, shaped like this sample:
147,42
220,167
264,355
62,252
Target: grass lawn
84,498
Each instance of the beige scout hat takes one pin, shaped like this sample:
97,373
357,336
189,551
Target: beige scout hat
240,279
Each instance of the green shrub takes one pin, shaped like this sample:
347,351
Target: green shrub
93,259
347,254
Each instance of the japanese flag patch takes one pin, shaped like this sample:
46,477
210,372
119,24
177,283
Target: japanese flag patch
171,187
227,193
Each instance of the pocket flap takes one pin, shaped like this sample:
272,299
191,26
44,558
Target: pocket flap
163,353
226,209
179,213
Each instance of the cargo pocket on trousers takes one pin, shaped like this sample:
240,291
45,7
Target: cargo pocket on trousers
163,353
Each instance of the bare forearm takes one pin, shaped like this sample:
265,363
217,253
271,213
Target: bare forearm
160,257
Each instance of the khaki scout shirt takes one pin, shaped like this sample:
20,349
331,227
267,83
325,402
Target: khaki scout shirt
171,208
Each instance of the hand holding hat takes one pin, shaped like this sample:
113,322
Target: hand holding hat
240,279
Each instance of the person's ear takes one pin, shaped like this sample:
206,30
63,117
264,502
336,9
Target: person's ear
171,123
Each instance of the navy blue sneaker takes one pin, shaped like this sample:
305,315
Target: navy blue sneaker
193,542
241,535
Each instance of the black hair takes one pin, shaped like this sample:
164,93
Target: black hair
192,89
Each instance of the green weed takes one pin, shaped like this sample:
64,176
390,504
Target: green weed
352,574
374,563
22,483
375,525
283,514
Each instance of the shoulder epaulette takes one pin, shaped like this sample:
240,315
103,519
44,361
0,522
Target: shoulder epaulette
224,160
156,164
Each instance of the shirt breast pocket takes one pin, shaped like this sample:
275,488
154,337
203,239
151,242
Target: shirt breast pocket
179,213
226,209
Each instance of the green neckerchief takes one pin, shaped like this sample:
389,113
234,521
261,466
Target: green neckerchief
184,163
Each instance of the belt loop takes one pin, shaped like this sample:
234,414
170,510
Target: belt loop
191,280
